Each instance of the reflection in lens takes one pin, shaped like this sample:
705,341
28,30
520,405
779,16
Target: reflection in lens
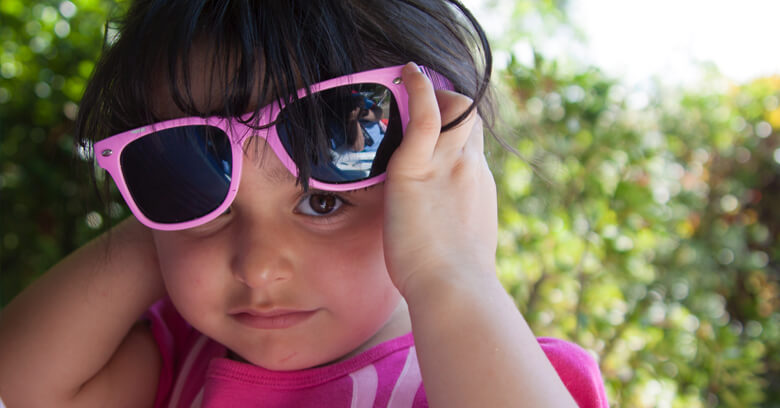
362,126
178,174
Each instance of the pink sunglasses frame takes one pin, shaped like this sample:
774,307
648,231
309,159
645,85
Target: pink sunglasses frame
109,150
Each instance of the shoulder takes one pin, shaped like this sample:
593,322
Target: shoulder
578,371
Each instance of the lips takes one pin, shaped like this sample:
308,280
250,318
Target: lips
272,319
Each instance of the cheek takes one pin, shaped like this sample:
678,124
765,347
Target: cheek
359,290
353,265
190,271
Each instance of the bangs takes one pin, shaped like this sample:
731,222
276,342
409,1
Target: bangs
228,58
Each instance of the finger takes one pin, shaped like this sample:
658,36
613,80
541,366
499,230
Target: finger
451,106
424,125
476,140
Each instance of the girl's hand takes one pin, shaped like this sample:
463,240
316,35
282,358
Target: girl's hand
440,197
473,346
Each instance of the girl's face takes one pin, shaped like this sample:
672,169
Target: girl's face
286,280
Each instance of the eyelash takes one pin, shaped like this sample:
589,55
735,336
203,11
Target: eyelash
339,210
344,203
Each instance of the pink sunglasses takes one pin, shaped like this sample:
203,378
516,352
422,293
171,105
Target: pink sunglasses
185,172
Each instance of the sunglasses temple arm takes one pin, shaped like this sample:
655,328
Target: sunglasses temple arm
439,81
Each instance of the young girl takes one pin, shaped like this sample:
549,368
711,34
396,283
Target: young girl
267,266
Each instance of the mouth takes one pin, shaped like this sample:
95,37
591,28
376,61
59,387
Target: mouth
273,319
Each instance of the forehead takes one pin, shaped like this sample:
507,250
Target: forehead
205,81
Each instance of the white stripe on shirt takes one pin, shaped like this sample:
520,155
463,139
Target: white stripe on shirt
407,384
184,373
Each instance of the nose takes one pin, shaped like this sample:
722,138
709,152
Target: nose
261,276
261,260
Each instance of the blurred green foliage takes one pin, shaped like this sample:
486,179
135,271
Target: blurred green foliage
47,52
643,226
640,225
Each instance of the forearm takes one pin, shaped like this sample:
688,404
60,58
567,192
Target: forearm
64,328
475,348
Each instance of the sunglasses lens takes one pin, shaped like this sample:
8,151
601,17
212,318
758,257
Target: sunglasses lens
178,174
362,125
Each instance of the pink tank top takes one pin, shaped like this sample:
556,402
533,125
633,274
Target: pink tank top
196,373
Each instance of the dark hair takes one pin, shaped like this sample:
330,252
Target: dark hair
266,50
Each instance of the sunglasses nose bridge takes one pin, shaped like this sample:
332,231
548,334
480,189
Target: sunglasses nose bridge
245,135
240,134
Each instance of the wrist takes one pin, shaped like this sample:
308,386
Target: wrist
435,287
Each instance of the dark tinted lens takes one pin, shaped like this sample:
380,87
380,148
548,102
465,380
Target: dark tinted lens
178,174
362,126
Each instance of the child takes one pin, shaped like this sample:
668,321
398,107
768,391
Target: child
260,269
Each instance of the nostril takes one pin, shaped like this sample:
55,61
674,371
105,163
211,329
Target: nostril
257,277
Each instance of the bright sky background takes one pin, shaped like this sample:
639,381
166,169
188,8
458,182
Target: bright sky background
637,39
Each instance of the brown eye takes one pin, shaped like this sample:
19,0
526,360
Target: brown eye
318,205
322,204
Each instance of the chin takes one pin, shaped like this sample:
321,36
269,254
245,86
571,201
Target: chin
286,359
291,362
